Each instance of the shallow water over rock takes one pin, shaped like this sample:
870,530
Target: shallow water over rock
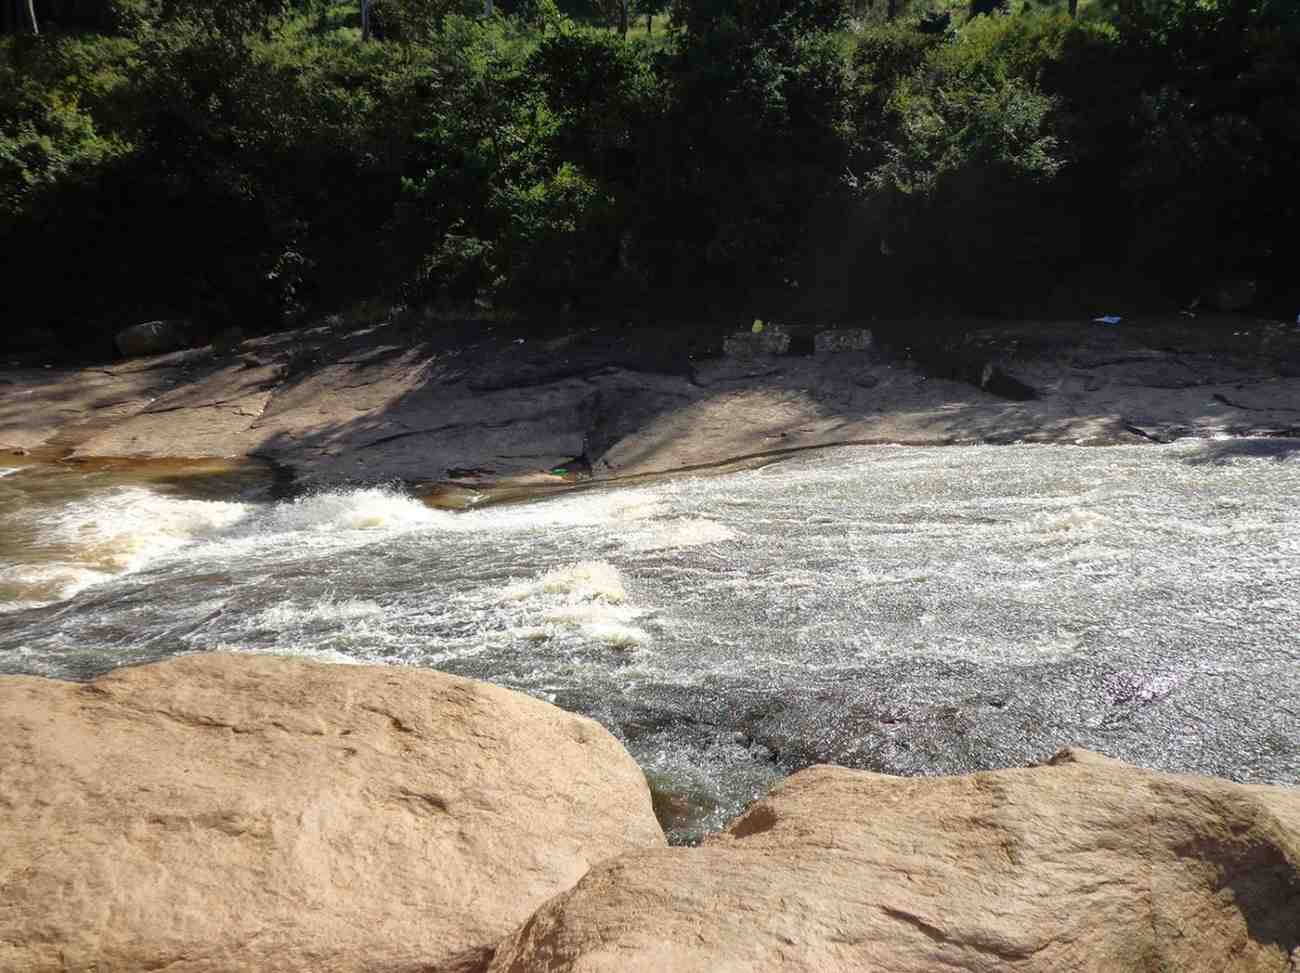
910,610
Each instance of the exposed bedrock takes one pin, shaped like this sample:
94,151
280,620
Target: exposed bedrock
340,405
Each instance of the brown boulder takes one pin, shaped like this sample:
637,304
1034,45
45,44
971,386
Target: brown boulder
231,812
1083,865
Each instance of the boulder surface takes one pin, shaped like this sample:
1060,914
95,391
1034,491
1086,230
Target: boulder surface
1082,865
231,812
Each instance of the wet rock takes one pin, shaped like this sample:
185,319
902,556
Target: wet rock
1086,864
771,340
231,812
153,338
840,340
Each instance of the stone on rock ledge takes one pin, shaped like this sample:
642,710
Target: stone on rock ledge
771,340
153,338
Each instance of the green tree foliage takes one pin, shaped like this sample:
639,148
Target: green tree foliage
246,162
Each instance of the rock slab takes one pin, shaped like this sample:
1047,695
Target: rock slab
1083,865
230,812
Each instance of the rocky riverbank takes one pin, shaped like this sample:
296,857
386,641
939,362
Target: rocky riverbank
226,812
443,405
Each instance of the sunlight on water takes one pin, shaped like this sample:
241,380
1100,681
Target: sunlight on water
354,510
906,610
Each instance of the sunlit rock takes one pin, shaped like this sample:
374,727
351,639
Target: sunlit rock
1083,865
231,812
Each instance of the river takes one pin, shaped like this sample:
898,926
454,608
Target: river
906,610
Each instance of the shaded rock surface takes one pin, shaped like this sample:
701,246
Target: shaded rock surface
229,812
345,404
1086,864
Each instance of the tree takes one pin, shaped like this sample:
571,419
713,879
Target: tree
650,9
365,20
18,15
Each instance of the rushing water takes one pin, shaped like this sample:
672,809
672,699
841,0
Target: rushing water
900,609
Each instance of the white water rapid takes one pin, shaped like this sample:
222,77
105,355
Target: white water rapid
902,609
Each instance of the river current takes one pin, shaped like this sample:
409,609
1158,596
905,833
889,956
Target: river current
906,610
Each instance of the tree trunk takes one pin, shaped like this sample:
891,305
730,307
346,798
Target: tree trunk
622,17
649,24
365,20
487,8
1074,8
893,9
30,13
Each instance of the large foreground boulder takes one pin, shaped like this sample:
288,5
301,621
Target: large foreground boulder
1083,865
229,812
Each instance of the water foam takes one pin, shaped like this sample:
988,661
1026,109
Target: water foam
7,471
31,586
369,509
584,581
87,542
128,528
587,509
587,600
1072,520
685,532
324,611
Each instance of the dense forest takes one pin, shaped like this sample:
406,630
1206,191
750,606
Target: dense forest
255,162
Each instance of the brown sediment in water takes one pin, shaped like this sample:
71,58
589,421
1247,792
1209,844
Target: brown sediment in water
197,477
58,520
